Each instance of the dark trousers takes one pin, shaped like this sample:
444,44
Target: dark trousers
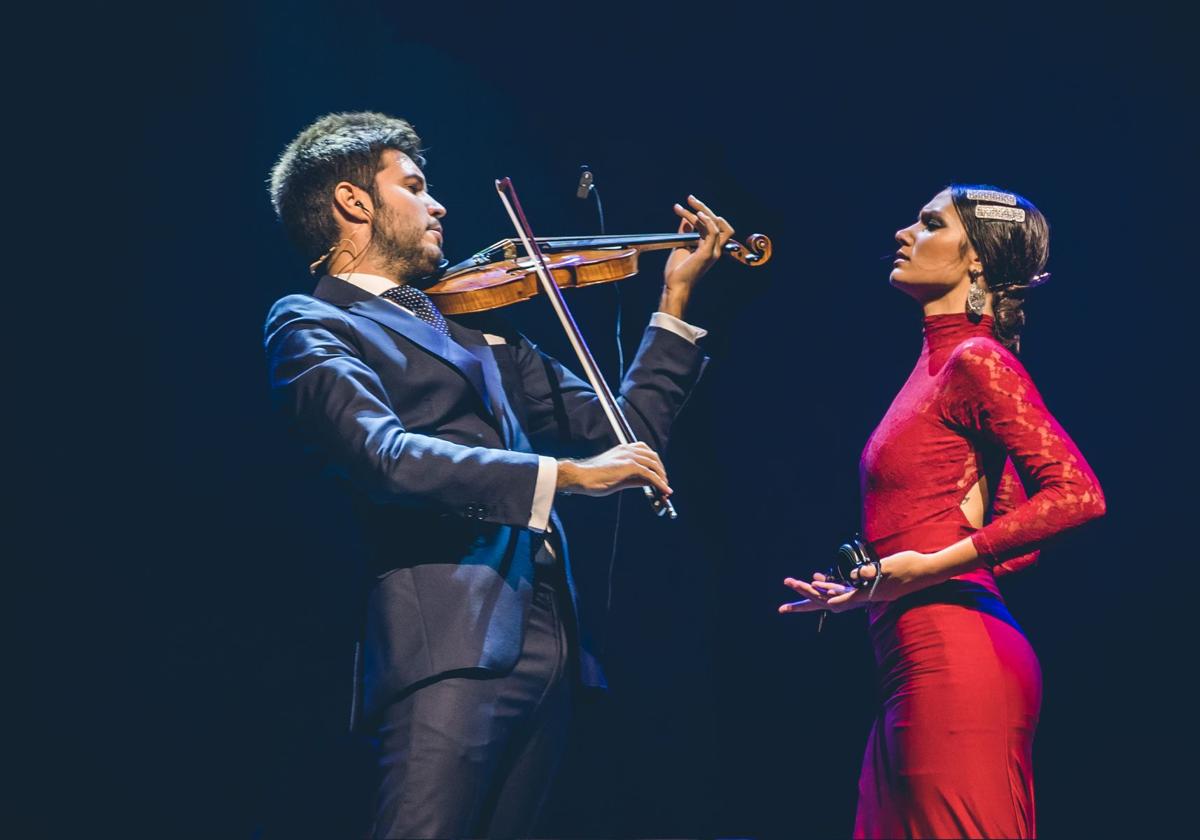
469,756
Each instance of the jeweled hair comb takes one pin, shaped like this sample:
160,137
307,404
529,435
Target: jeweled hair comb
1008,214
993,195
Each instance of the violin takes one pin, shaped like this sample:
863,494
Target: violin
497,276
484,283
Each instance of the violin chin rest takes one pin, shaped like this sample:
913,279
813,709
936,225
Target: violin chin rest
438,273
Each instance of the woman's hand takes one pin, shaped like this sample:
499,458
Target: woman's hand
904,572
819,595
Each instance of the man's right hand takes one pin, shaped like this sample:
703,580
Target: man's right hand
620,468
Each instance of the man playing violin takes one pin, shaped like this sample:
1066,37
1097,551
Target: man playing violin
453,443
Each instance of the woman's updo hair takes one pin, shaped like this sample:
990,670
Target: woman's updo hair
1012,239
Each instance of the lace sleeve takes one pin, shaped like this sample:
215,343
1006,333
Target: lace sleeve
1010,494
990,394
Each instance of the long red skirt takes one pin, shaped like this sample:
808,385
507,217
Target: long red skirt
951,752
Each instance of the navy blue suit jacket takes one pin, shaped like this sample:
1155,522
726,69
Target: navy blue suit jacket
437,438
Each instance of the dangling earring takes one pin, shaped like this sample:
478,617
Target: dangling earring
976,298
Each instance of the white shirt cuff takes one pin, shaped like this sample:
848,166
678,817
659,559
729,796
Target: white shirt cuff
681,328
543,493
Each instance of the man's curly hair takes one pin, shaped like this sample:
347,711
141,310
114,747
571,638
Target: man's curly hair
337,147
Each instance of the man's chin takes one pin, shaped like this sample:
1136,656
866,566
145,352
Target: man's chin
430,273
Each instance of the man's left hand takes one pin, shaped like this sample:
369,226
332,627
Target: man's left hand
685,266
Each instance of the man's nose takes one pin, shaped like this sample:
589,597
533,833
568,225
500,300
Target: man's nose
436,209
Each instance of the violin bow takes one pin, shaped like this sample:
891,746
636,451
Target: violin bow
620,425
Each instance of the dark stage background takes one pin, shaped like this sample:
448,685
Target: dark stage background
199,681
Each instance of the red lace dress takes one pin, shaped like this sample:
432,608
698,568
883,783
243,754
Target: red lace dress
951,752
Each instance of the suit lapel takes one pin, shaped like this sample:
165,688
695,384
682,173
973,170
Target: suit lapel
353,299
513,437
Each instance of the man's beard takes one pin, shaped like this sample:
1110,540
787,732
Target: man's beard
404,255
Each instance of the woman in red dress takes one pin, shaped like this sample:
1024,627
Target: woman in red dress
943,478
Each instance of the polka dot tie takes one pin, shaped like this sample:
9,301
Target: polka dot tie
417,302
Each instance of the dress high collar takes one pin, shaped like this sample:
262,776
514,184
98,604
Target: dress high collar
945,332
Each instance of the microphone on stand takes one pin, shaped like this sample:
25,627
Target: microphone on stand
586,180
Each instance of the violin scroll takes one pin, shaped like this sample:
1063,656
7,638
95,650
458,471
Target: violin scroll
757,250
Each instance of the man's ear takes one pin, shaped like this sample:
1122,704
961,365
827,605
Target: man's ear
351,203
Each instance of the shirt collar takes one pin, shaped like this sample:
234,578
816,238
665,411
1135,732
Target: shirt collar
374,283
